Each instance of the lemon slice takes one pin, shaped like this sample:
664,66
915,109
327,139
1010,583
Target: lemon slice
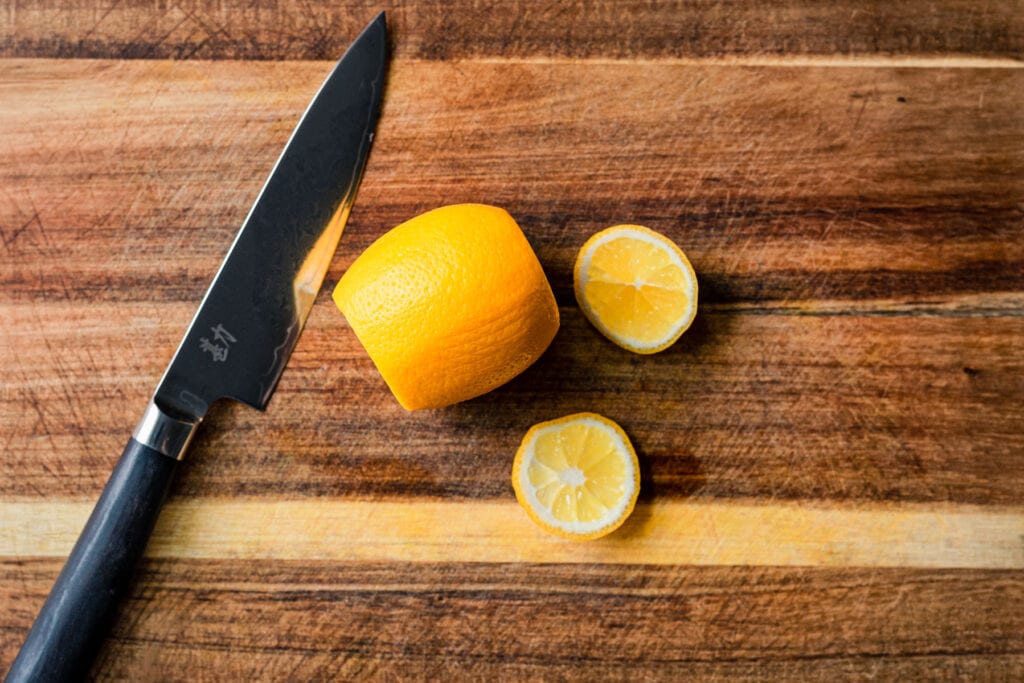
636,286
577,476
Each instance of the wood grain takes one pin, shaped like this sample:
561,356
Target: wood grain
747,406
319,620
783,184
847,179
289,29
660,533
850,273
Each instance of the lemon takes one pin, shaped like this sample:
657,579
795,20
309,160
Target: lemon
577,476
636,286
449,305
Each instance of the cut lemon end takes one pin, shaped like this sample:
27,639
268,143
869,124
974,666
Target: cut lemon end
577,477
636,287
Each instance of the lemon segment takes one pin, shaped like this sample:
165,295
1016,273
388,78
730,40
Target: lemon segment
636,287
577,476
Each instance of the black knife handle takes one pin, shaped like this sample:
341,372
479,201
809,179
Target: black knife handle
71,627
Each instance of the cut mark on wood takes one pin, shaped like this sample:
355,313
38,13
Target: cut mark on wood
669,533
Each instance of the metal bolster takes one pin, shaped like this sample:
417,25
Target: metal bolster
164,433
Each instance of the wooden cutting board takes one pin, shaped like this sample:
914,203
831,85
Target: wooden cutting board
833,456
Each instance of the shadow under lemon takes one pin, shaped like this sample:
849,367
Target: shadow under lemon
582,371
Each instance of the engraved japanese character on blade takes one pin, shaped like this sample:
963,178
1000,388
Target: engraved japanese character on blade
221,344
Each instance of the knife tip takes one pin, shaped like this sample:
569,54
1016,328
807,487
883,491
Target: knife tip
374,32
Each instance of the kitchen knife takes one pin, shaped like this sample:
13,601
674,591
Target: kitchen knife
236,347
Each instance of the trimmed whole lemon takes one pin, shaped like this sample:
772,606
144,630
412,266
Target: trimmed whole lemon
449,305
577,477
636,286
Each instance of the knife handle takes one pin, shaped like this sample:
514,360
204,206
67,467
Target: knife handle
70,628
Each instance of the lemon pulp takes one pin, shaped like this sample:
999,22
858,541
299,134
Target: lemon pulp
577,476
637,287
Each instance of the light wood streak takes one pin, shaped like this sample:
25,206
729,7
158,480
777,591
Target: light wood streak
664,533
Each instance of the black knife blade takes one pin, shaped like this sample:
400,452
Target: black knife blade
245,329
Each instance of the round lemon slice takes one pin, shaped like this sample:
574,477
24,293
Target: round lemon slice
636,286
577,476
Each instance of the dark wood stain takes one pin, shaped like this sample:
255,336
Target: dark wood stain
236,29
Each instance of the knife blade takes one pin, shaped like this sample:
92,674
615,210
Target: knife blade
236,347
